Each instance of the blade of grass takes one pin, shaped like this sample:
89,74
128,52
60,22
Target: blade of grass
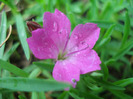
17,71
22,34
41,95
126,30
45,66
3,29
105,71
124,50
10,51
121,94
34,85
124,82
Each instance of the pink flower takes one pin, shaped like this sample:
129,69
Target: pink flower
74,55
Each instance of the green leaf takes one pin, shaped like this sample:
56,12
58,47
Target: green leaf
106,25
105,71
45,66
64,95
109,85
34,95
91,96
41,95
10,51
22,34
124,49
120,94
75,96
109,31
124,82
35,73
13,69
126,29
3,28
30,85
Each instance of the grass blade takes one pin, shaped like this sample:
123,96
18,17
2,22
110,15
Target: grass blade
17,71
3,29
45,66
10,52
126,29
124,82
28,85
22,34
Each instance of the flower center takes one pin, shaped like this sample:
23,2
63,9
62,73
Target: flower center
61,56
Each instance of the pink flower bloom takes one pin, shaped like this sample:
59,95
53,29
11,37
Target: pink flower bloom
73,54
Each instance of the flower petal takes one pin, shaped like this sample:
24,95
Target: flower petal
66,72
42,45
83,36
58,26
86,61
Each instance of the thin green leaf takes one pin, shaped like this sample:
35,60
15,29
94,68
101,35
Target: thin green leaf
28,85
124,82
124,50
41,95
126,29
22,34
75,96
121,94
109,85
64,95
3,28
46,66
34,95
105,71
91,96
10,51
13,69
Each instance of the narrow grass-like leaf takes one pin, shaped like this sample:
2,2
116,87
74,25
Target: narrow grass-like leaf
30,85
34,95
124,82
41,95
22,34
46,66
105,71
10,51
91,96
3,28
126,29
109,31
109,85
106,25
64,95
75,96
121,94
124,50
13,69
35,73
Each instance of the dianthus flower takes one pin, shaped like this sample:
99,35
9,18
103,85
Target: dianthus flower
73,54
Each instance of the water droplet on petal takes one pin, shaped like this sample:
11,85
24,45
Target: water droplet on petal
55,26
76,37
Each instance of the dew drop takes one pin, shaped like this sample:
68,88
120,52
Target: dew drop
76,37
55,26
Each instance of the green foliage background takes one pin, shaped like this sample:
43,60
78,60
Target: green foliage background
34,80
